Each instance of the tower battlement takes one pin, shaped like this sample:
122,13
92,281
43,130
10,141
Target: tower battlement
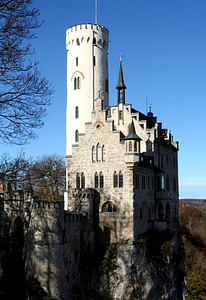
48,204
87,26
87,34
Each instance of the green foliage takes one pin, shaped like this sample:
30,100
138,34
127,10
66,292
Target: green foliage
109,263
34,290
158,245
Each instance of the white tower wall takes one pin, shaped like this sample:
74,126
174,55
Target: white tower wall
87,76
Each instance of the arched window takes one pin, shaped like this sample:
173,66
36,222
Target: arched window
76,136
82,180
96,180
103,153
77,181
120,179
77,41
130,146
93,153
148,146
115,179
76,112
101,180
75,83
78,83
108,207
98,152
94,41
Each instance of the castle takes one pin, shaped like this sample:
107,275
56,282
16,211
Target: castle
122,180
125,155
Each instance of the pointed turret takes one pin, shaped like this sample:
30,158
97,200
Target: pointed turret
121,87
132,134
132,147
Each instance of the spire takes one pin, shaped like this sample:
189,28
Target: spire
121,87
132,133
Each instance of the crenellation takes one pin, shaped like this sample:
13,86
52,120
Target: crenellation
48,204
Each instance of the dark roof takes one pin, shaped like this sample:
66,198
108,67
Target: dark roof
150,121
120,83
132,133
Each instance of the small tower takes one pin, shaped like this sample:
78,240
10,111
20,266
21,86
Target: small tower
121,87
87,76
132,147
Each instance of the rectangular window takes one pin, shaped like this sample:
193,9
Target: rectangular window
148,179
163,182
77,61
94,61
137,181
140,213
161,161
143,182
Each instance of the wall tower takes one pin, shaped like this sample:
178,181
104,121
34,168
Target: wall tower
87,76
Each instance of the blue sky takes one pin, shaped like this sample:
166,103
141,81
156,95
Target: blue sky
163,43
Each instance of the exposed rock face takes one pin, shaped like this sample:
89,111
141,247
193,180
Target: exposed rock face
150,268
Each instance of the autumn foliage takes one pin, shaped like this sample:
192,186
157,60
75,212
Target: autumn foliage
192,226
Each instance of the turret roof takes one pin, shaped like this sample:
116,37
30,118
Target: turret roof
120,84
132,133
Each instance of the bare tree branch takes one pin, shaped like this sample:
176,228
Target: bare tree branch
24,94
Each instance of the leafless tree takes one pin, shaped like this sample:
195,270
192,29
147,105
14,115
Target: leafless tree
48,177
24,94
43,177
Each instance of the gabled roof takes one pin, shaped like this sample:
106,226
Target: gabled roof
150,121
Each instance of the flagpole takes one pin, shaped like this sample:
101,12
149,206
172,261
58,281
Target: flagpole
96,11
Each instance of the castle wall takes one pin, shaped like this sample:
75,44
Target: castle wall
52,248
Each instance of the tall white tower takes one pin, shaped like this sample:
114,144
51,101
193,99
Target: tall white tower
87,76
